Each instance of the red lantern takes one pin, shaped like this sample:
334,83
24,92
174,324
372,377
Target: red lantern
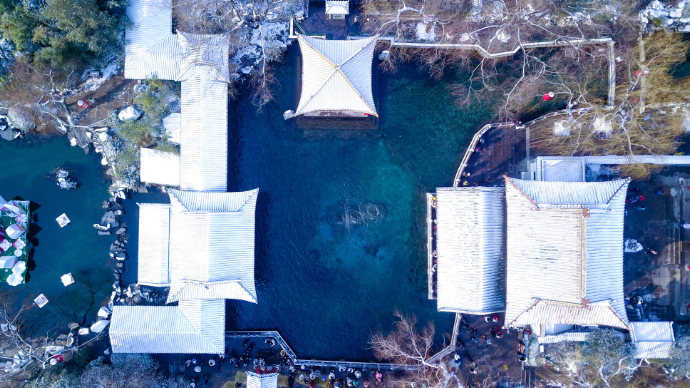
548,96
83,104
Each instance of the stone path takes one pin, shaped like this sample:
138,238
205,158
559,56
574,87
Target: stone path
115,93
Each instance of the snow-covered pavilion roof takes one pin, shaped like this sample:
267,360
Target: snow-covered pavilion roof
196,326
652,339
565,256
336,75
159,167
335,7
212,245
471,249
265,380
154,244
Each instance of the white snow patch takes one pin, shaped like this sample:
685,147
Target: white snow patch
686,122
426,32
503,36
106,73
560,128
602,126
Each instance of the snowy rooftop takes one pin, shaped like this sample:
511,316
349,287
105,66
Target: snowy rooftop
192,327
471,249
565,257
200,62
201,245
336,75
266,380
159,167
334,7
652,339
217,231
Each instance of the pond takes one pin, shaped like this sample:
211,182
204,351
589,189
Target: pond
27,172
341,215
340,220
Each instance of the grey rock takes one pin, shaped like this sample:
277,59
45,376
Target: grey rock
104,233
121,231
120,264
9,134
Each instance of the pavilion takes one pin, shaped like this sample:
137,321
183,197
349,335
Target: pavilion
336,78
564,254
201,246
337,9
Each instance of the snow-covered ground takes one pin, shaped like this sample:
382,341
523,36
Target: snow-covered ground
675,17
94,83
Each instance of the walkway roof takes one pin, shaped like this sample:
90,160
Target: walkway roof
471,249
190,327
154,244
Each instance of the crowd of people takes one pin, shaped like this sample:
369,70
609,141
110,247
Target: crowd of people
346,377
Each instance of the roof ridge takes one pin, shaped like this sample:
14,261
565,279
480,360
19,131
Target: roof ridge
337,69
535,302
299,36
371,40
522,192
625,181
198,332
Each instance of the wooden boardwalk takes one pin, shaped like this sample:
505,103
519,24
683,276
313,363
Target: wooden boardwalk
500,150
115,93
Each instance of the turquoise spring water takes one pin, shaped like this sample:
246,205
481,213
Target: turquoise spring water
26,171
340,219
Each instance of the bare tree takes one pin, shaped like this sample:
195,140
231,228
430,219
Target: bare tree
245,24
649,114
31,94
604,360
414,348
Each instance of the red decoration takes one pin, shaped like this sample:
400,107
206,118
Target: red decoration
548,96
83,104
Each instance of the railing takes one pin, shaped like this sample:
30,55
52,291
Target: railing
470,149
523,46
313,362
429,245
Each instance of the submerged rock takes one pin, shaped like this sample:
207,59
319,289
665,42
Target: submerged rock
6,131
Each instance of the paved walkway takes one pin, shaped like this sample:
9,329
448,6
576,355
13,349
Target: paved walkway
317,23
115,93
501,153
496,362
